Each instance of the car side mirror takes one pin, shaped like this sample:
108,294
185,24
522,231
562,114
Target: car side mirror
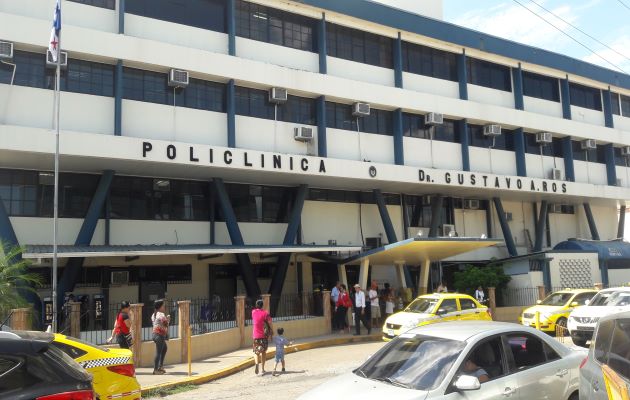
441,311
587,302
466,383
575,304
538,301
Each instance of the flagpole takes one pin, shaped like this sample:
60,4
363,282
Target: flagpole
56,189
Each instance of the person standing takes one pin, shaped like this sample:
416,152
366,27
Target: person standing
122,327
442,288
281,342
341,310
359,311
334,296
375,308
261,333
389,299
480,296
160,336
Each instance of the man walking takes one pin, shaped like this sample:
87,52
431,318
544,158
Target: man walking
359,311
334,297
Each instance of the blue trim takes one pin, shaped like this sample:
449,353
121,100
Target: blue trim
621,227
385,219
608,114
591,221
118,96
231,26
465,143
505,228
541,224
517,76
322,45
409,22
519,151
488,210
398,67
567,154
322,146
399,151
436,214
7,234
121,17
231,113
462,75
565,94
603,268
546,276
611,168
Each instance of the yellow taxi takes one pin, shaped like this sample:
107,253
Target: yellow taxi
434,308
114,375
554,310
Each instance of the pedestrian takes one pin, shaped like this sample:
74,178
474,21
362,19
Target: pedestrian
359,311
480,296
375,308
122,327
334,296
160,336
280,341
442,288
261,333
341,309
389,300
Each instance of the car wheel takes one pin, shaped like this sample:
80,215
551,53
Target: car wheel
561,327
574,396
579,342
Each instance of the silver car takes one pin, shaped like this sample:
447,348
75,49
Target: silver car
463,360
611,346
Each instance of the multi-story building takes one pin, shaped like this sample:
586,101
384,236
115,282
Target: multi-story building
224,146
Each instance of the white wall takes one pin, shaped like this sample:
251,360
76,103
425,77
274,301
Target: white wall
427,84
540,106
590,258
360,72
275,54
418,153
275,136
129,232
541,168
587,115
433,8
470,223
188,125
622,123
345,145
623,173
486,95
34,231
563,226
590,172
618,277
492,161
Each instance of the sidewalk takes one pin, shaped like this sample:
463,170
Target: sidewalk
227,364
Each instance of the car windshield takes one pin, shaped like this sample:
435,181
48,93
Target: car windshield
413,361
422,305
557,299
611,299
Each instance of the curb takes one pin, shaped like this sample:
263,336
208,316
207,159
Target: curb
201,379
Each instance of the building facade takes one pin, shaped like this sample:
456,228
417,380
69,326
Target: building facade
467,135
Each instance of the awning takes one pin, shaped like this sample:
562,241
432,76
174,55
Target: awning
46,251
615,252
416,251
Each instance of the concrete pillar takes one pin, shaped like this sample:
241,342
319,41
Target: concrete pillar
135,314
183,328
363,273
492,300
21,319
75,319
400,274
239,302
542,293
266,301
306,303
343,276
327,310
599,286
423,281
307,276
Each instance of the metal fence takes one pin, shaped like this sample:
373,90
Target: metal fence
211,315
509,297
297,306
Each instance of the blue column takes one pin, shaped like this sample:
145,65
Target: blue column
121,16
322,45
231,27
567,154
565,93
488,210
398,67
231,113
541,225
519,152
118,96
7,234
608,114
399,152
462,74
322,147
517,74
611,168
505,228
436,215
621,227
546,275
385,219
464,140
604,271
592,226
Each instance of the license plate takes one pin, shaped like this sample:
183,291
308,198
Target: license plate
390,332
585,328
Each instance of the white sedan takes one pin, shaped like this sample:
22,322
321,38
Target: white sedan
463,360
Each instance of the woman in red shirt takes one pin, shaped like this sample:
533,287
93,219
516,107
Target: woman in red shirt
122,327
341,309
262,331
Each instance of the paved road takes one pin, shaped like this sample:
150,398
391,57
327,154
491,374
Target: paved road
305,370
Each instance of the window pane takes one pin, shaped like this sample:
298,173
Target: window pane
484,73
540,86
614,102
359,46
528,351
584,96
205,14
619,357
111,4
625,106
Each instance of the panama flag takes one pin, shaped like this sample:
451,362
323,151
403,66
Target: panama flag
53,46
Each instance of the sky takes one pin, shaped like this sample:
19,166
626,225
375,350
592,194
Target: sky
606,20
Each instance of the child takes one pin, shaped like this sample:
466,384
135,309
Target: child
280,341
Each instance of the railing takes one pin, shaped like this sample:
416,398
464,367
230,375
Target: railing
509,297
211,315
297,306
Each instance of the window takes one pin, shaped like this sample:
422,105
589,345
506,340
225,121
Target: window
485,73
467,304
427,61
487,355
540,86
274,26
254,203
418,210
582,298
612,346
413,126
72,351
299,110
111,4
505,141
620,159
379,121
205,14
597,155
625,106
553,149
448,305
586,97
339,116
345,196
355,45
614,102
254,103
529,351
18,191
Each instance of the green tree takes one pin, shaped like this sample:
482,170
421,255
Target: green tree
472,277
14,279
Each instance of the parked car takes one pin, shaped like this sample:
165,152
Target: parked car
611,348
433,308
554,310
582,321
463,360
32,368
114,375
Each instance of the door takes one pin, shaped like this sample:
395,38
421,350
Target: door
469,310
448,311
149,292
541,372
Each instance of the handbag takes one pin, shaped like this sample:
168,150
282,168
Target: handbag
267,329
129,339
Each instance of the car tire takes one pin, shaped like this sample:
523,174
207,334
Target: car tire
574,396
579,342
562,322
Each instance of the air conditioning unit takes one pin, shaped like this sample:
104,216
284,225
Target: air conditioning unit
492,130
278,95
373,242
417,232
178,78
51,64
120,277
6,50
303,134
508,216
434,119
544,138
555,174
625,151
360,109
448,230
588,144
471,204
